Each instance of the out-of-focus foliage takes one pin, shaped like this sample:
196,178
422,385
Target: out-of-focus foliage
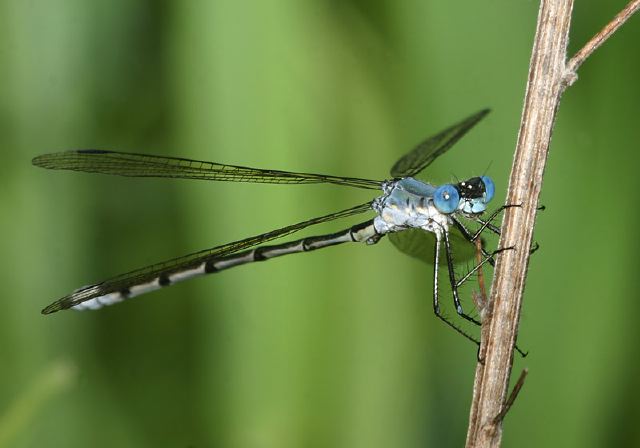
338,348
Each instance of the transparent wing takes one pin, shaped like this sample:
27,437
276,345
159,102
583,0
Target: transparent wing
142,165
420,244
143,275
426,152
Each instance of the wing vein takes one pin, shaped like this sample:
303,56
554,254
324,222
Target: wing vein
146,165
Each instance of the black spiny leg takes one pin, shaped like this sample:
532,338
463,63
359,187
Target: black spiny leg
473,236
436,304
487,224
485,259
452,280
469,237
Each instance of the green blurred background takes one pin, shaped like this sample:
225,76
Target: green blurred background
338,348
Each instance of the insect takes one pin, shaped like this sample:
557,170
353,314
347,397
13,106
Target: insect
406,206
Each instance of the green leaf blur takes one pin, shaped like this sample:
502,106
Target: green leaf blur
337,348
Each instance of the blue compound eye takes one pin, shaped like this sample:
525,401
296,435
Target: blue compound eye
489,188
446,198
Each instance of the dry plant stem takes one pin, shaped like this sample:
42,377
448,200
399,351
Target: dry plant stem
544,86
597,40
481,301
548,76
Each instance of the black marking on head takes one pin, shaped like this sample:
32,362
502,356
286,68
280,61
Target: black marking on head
471,188
210,267
164,280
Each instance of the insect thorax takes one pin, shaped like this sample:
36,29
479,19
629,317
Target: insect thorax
408,203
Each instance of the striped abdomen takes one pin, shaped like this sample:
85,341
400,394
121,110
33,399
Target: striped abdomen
364,232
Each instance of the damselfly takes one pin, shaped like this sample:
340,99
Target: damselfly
406,205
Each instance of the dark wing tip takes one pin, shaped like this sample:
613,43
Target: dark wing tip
478,115
50,309
483,113
92,151
429,149
40,161
46,160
